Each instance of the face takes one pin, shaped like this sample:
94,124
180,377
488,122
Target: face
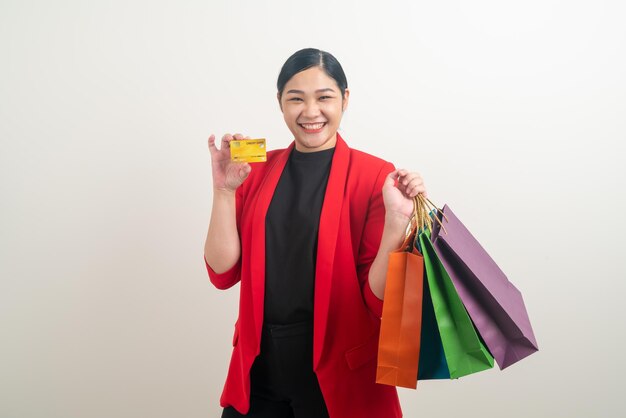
312,107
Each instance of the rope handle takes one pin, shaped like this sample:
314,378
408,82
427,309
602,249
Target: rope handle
422,209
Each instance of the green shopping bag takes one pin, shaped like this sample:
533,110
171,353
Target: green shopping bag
464,351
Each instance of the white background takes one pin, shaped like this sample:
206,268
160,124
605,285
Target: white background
514,113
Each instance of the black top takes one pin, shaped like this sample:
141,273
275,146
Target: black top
291,228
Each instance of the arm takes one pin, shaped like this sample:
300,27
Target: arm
393,235
222,248
390,210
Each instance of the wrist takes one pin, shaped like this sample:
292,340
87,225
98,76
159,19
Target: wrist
396,220
394,230
223,192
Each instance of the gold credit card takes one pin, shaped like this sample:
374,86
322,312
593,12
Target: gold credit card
248,150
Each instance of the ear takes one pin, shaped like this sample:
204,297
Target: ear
279,103
344,102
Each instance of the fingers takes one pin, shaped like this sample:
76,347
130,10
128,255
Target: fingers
212,148
225,144
411,183
225,141
228,137
390,180
244,171
404,176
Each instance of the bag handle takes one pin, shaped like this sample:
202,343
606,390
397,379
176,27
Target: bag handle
421,220
422,209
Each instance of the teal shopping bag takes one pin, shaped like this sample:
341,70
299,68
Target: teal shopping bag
432,364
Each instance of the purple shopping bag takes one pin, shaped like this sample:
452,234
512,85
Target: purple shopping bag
494,304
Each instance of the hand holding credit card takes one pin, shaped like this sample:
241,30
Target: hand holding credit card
248,150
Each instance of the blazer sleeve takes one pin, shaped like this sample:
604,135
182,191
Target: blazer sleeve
231,276
370,240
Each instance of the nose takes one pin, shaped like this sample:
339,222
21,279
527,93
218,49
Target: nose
311,110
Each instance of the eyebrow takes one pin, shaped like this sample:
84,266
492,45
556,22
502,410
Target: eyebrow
316,91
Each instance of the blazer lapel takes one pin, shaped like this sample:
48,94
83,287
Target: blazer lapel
327,242
257,264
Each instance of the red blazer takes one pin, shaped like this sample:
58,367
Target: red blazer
346,312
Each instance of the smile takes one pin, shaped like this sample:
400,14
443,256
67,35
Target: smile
312,126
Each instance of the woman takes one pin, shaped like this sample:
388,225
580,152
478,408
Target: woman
307,234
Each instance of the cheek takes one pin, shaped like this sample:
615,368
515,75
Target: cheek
290,114
333,112
288,117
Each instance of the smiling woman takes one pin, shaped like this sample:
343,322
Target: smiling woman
313,100
307,234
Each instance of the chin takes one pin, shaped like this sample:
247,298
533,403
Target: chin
317,144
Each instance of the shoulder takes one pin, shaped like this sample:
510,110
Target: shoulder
369,166
366,174
361,157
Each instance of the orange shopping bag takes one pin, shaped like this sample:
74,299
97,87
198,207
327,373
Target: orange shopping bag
401,324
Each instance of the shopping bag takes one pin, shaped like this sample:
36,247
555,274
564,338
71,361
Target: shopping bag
432,362
399,340
464,351
494,304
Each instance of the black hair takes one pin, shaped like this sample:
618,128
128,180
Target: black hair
307,58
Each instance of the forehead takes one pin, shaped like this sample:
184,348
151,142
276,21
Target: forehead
310,80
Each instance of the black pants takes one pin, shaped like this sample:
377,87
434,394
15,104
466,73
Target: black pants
283,384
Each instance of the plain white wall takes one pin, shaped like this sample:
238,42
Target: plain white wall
514,112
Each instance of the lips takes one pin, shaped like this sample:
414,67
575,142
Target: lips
312,127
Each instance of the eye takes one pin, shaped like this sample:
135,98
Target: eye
293,99
326,97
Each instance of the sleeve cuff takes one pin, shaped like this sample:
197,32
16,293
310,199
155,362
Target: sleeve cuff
226,279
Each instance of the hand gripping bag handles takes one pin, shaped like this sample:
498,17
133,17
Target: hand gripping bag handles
495,306
401,323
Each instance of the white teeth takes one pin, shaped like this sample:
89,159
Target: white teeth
312,125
